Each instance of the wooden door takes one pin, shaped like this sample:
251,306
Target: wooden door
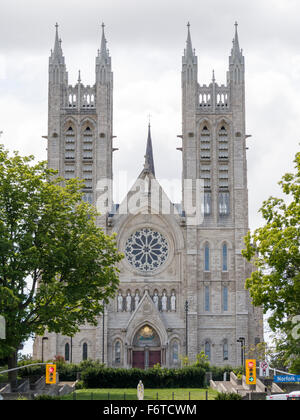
154,357
138,359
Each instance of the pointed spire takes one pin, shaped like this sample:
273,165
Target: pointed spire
189,48
79,76
103,49
213,77
57,52
236,51
149,161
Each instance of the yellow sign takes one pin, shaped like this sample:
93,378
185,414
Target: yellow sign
50,374
251,372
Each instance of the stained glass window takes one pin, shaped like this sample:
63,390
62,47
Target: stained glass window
224,258
146,250
84,351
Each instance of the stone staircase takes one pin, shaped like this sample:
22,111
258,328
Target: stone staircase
239,386
37,388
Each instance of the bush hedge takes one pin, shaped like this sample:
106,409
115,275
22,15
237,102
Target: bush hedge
222,396
189,377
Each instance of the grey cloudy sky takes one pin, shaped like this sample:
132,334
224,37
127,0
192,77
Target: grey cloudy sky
146,41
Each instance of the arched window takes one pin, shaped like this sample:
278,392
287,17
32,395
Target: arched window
205,144
223,143
70,150
118,352
67,352
225,298
208,350
206,299
84,351
206,258
175,353
224,258
225,350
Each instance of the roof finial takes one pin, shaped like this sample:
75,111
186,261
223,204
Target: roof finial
79,76
213,76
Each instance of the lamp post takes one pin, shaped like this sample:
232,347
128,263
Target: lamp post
242,340
43,339
103,336
186,306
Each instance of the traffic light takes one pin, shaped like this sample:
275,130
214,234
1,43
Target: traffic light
50,374
251,372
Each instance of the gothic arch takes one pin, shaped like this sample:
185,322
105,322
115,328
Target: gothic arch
225,242
87,122
224,121
204,122
159,329
146,314
69,122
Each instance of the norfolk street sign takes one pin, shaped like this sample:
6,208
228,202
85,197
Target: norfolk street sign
286,378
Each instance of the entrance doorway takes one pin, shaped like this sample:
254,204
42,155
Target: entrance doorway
139,358
146,351
154,358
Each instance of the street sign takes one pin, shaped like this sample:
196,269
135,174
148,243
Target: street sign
251,372
2,328
264,369
279,379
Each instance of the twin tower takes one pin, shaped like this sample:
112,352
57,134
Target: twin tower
80,132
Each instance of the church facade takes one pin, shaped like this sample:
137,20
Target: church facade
182,278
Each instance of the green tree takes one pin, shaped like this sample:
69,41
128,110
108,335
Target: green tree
275,251
56,266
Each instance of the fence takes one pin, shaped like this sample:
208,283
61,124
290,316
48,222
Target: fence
130,396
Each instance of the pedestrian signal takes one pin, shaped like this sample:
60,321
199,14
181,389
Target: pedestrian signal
50,374
251,372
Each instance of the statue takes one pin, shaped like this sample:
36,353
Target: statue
140,391
120,302
128,302
164,302
173,302
136,299
155,300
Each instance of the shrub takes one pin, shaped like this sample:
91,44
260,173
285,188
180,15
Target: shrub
46,397
222,396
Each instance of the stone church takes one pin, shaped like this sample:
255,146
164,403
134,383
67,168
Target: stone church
182,278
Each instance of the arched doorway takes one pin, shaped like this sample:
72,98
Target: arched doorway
146,351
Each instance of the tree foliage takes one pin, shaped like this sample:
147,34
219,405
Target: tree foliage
275,251
56,266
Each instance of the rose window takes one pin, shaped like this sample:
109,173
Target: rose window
146,250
